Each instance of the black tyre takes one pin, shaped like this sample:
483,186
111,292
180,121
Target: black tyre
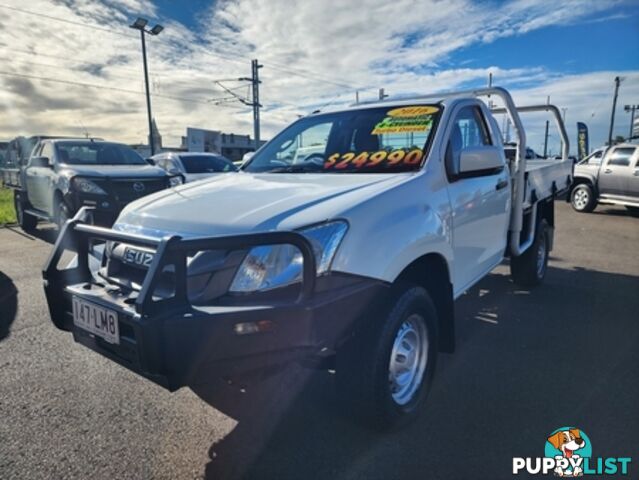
583,199
26,221
529,268
62,214
384,374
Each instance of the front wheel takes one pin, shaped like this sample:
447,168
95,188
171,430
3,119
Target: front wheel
529,268
26,221
384,375
583,199
62,214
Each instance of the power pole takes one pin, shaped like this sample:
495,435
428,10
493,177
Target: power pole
255,102
546,141
614,106
382,95
255,67
546,134
631,109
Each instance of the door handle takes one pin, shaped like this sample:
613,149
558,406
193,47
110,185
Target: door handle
607,170
501,184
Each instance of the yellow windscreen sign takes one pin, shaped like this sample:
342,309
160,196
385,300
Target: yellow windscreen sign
412,119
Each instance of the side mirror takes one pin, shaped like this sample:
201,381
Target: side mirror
40,162
480,160
150,161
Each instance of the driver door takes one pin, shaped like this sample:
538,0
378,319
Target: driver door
480,201
38,178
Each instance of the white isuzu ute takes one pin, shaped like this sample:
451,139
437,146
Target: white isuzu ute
348,256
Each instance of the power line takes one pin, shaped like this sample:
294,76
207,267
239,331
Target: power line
64,20
308,74
102,87
58,67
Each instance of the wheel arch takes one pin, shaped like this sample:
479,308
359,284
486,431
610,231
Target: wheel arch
431,272
580,180
59,196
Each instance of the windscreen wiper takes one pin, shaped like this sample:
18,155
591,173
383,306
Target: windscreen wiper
298,168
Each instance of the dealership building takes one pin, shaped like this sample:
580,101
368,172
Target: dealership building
231,145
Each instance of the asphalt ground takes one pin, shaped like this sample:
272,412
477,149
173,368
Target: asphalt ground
527,363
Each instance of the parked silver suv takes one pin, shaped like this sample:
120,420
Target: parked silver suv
608,176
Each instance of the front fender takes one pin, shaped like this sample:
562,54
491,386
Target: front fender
584,178
392,229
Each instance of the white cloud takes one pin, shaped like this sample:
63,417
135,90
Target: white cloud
315,53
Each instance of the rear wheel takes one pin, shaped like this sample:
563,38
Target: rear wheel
529,268
26,221
583,198
384,375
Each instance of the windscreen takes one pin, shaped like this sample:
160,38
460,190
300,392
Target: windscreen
381,139
206,164
97,153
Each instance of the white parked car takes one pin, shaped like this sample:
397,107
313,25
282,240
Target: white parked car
193,165
350,260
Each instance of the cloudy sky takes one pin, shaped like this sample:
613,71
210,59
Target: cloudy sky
73,66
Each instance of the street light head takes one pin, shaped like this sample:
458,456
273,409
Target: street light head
139,23
157,29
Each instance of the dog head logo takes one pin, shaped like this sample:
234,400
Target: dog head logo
569,446
567,441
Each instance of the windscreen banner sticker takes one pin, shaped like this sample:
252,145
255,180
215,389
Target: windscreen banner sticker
381,158
406,120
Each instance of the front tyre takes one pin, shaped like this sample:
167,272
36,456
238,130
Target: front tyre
26,221
583,199
384,374
529,268
62,214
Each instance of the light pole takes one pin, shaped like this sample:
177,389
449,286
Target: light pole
140,24
631,109
614,107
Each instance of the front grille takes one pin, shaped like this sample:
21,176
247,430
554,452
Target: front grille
129,189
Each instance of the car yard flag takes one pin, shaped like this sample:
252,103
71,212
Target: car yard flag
582,140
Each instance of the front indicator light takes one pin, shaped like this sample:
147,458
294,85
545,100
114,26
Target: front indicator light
247,328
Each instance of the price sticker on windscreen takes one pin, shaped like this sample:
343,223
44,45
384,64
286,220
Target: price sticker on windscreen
415,119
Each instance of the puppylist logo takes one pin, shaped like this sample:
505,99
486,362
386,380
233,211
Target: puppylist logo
568,453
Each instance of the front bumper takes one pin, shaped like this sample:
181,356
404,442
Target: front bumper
119,193
176,344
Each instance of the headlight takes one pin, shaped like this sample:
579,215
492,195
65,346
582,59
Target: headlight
279,265
175,181
85,185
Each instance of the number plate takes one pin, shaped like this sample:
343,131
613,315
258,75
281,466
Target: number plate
99,321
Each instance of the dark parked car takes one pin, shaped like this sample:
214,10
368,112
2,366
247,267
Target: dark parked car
63,175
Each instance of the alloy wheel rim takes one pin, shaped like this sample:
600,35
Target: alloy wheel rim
581,198
408,359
